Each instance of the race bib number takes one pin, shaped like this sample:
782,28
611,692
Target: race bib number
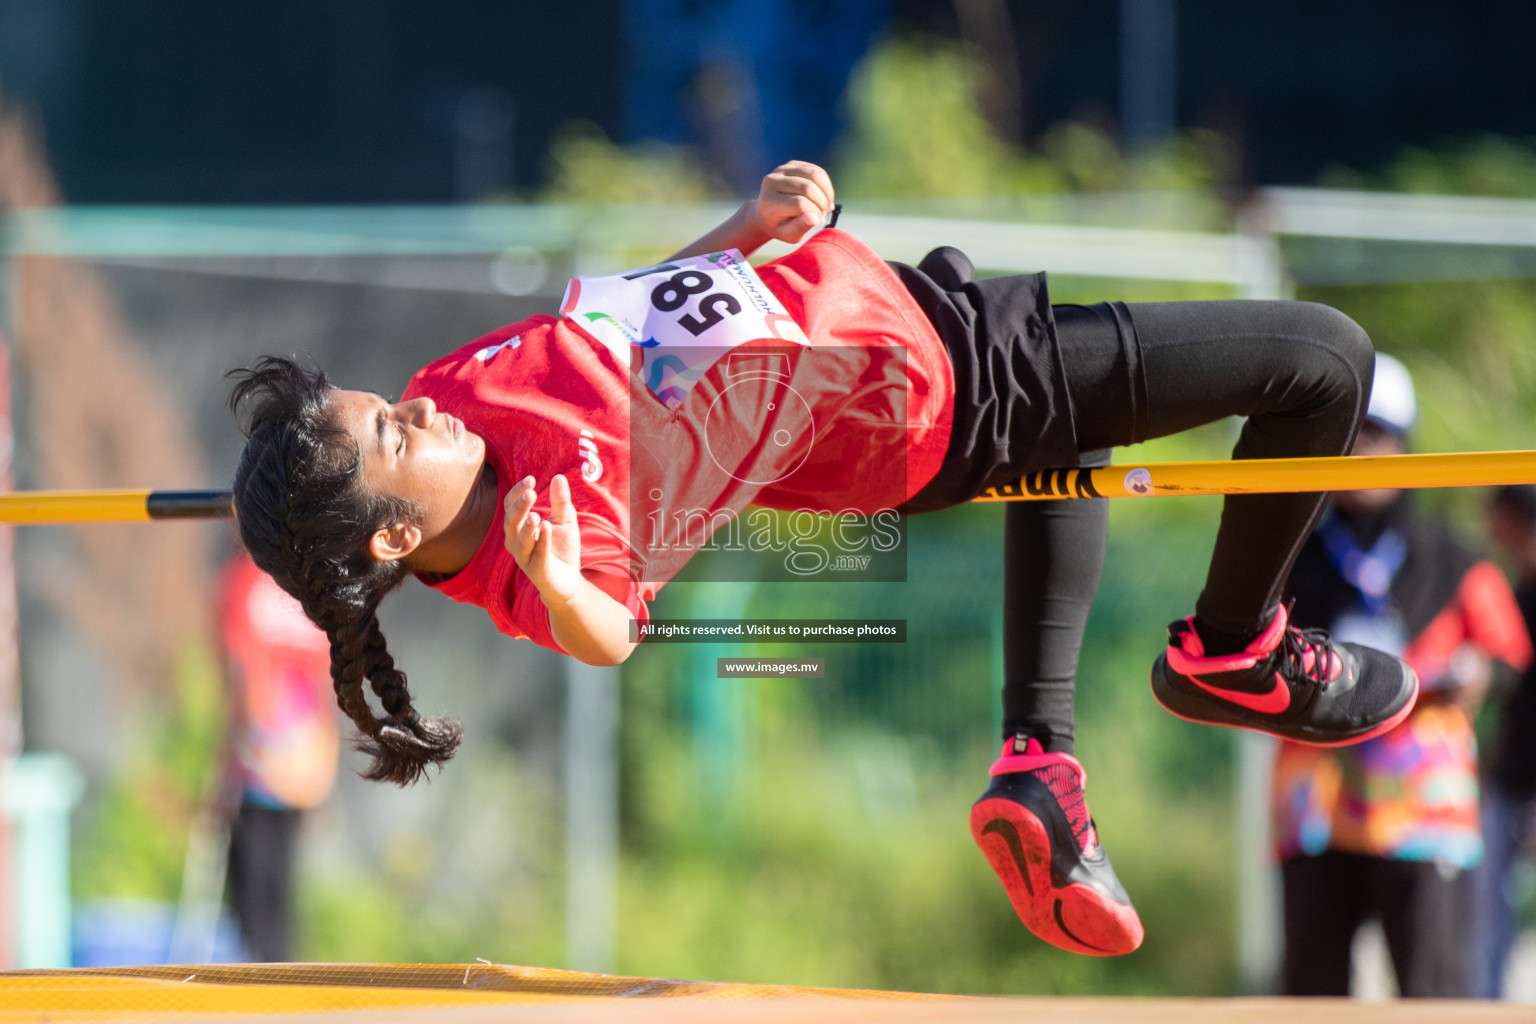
671,322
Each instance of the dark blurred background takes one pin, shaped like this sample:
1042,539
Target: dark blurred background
217,101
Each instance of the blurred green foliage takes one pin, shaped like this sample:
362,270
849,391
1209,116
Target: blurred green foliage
917,132
133,843
917,139
1487,165
1469,343
1469,347
478,877
584,165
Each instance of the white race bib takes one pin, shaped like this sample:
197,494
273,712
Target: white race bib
671,322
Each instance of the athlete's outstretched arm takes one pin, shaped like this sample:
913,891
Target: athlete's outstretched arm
587,621
794,198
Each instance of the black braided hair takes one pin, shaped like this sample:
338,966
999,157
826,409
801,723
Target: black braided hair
306,518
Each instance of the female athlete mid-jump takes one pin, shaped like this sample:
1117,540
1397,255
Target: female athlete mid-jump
557,472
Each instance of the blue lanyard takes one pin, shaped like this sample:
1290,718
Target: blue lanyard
1369,572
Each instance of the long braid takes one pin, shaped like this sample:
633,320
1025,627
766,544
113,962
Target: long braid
306,520
402,743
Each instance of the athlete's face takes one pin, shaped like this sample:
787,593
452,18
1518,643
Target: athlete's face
412,450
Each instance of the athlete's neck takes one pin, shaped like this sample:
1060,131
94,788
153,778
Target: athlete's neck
451,550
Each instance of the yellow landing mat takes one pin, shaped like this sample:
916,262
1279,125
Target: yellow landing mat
244,990
481,992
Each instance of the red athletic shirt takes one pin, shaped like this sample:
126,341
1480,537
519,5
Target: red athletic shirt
858,420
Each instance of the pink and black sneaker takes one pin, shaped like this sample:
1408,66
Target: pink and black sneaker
1300,685
1033,825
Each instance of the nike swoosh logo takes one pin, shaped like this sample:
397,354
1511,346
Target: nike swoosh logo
1062,924
1003,828
1272,703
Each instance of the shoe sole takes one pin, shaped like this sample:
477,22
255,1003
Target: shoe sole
1077,918
1178,704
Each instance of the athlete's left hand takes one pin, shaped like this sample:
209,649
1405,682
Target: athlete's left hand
794,199
547,550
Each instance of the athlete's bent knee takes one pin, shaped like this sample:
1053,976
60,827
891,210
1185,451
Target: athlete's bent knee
1346,339
1342,334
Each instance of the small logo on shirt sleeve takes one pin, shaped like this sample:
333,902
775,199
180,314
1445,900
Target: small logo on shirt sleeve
485,354
591,465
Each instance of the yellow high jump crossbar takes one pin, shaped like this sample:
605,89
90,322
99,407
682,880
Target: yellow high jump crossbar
1273,476
1127,480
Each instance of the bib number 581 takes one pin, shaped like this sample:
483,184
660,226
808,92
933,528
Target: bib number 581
672,293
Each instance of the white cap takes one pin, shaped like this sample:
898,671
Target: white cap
1393,405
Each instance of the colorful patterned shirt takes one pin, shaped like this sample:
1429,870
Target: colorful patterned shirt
1411,794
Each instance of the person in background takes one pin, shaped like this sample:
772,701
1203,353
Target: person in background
1390,828
281,746
1509,775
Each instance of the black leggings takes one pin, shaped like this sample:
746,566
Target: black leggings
1425,911
1299,372
261,847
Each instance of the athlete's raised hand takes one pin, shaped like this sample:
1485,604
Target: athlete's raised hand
548,550
794,198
